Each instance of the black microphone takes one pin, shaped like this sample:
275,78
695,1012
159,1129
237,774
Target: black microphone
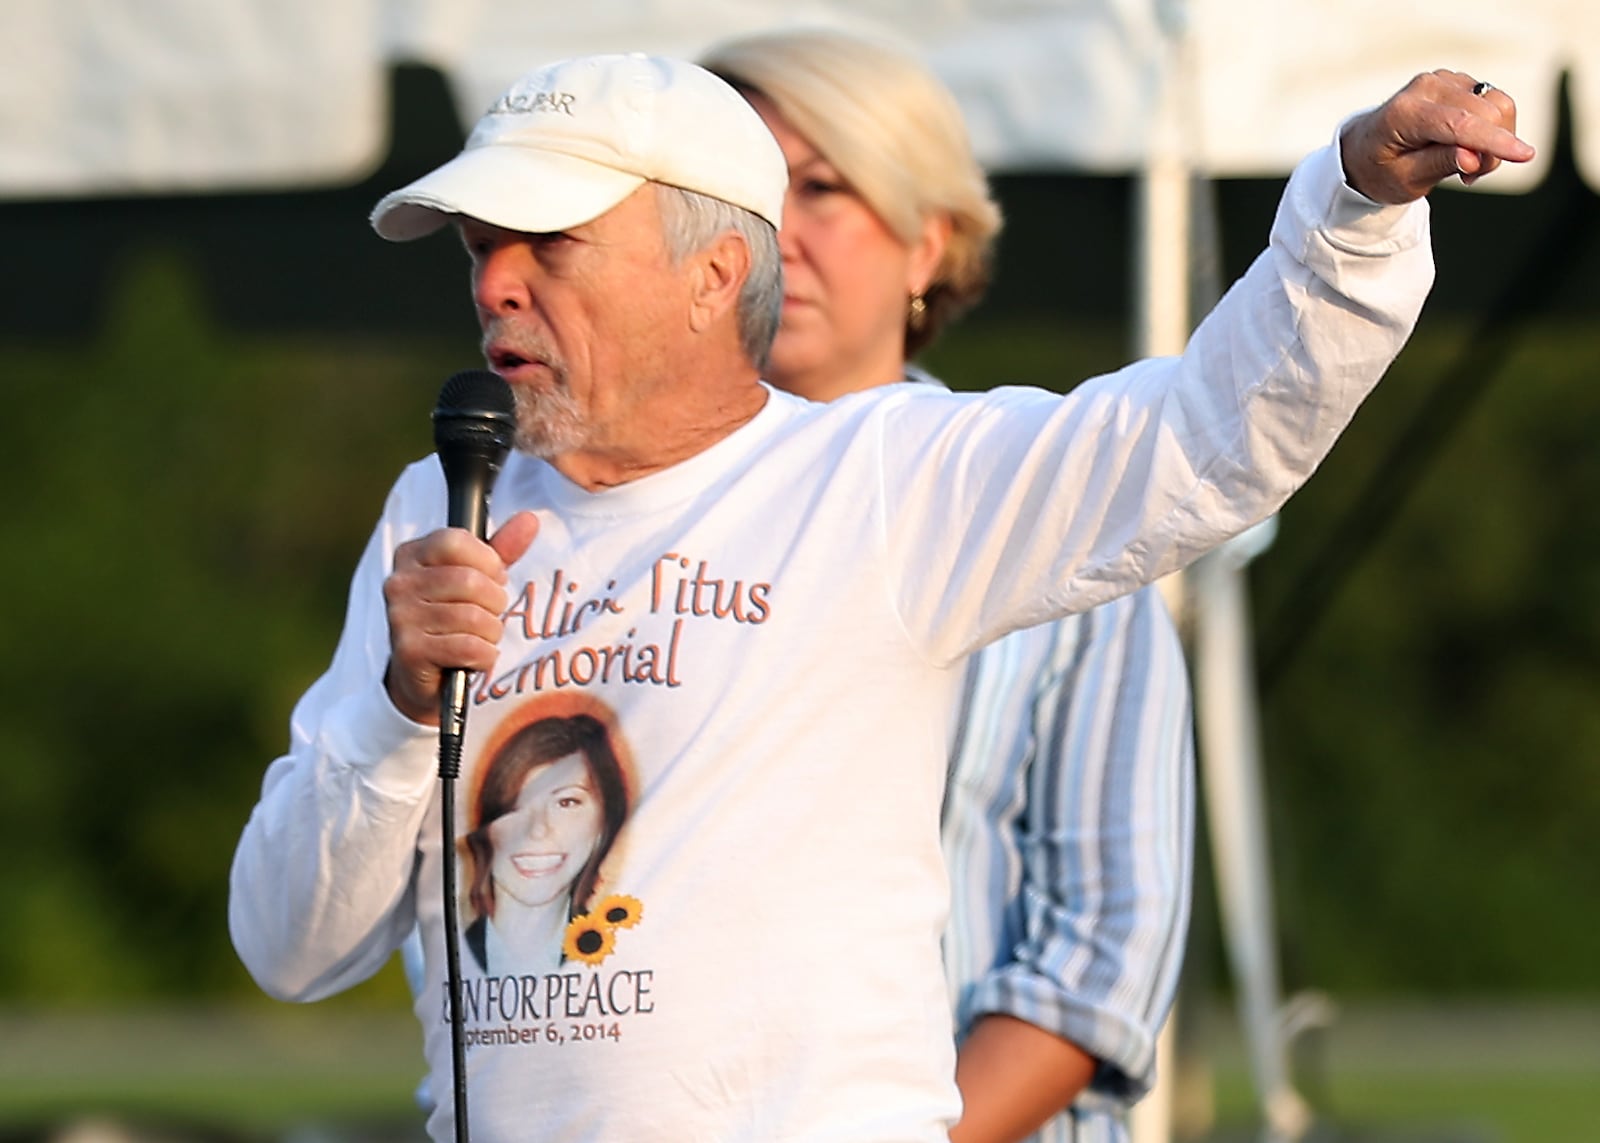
473,426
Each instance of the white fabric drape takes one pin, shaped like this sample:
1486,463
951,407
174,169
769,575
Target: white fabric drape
158,96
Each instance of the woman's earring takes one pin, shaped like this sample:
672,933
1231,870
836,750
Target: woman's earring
917,312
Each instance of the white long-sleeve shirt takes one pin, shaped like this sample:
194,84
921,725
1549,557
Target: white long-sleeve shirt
773,632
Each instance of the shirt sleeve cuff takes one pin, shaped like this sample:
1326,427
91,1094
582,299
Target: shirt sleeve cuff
394,756
1322,200
1124,1048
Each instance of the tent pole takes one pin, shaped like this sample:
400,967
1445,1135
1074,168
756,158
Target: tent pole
1161,327
1211,601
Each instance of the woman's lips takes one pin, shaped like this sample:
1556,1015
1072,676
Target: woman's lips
537,864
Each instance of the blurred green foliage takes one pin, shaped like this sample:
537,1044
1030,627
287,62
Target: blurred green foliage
185,510
1435,741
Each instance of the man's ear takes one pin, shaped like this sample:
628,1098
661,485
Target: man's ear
718,274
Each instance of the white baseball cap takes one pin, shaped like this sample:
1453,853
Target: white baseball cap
571,140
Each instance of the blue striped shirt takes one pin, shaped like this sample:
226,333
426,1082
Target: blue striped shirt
1068,830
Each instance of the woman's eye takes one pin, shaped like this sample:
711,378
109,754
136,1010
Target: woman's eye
820,187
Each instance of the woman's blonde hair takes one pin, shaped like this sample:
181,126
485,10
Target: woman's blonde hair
893,131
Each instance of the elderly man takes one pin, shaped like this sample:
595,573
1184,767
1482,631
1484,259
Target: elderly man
773,597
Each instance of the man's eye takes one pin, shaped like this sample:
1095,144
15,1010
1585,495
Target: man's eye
477,246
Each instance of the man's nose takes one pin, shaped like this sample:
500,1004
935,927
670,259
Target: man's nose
499,280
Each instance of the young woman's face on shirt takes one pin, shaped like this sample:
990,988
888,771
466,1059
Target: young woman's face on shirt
542,844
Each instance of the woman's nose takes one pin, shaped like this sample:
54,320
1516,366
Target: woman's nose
530,821
538,823
789,232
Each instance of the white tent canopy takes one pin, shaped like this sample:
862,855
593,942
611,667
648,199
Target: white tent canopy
158,96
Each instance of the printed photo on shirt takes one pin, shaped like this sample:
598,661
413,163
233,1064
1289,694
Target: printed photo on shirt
551,798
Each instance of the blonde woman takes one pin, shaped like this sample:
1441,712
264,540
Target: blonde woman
1068,812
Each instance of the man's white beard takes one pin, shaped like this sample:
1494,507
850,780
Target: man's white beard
549,422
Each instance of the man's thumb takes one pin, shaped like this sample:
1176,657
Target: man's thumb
514,537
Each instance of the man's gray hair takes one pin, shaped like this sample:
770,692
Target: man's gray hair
691,221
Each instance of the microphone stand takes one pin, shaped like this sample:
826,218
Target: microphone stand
452,729
473,427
